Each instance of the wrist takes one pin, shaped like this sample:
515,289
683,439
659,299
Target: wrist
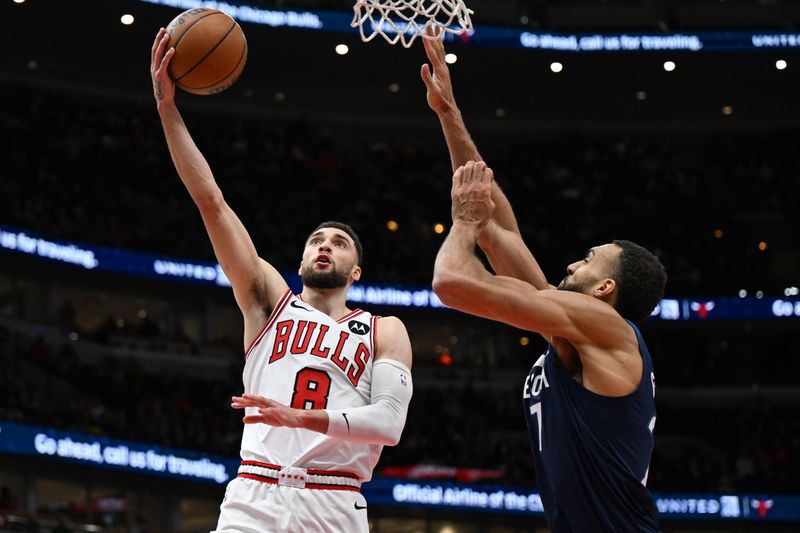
486,237
165,105
469,230
313,419
450,114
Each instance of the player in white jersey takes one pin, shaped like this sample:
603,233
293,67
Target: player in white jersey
325,387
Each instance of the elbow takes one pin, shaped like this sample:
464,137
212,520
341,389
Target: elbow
447,286
210,201
392,438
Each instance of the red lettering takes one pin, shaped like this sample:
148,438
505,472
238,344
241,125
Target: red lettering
282,332
323,329
360,358
337,358
302,336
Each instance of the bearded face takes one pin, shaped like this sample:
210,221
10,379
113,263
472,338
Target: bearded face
330,278
574,285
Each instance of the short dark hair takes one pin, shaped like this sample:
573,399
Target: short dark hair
347,229
640,278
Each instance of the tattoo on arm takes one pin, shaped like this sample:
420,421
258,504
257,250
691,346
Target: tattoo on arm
159,92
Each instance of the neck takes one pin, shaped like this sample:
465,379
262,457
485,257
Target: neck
332,302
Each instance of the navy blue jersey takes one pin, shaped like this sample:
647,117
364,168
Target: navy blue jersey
592,452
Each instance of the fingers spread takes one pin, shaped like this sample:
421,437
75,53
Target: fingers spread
155,45
426,75
254,400
489,175
167,59
159,53
429,51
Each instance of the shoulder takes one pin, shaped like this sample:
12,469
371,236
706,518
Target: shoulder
392,341
390,328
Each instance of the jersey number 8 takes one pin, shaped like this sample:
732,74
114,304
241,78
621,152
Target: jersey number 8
311,389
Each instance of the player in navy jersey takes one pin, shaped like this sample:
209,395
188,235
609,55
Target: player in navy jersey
590,399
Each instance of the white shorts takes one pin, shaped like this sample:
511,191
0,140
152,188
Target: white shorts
252,505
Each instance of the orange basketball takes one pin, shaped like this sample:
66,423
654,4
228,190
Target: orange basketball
210,51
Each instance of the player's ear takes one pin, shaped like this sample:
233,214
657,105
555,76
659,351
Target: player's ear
355,275
300,269
605,289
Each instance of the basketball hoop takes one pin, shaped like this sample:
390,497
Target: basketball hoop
404,20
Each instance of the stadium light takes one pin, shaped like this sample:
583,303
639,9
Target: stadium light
342,49
556,67
781,64
127,19
669,66
451,59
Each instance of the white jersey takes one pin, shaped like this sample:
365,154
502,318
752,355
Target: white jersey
307,360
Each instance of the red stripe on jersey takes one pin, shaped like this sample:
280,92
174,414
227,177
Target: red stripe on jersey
262,465
317,486
349,315
272,316
331,487
255,477
332,473
337,473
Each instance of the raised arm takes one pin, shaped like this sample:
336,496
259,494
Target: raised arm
441,99
500,239
461,281
257,286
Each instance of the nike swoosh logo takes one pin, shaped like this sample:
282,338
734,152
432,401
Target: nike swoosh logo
358,507
347,422
298,306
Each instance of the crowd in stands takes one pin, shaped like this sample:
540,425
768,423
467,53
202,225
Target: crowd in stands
99,172
750,445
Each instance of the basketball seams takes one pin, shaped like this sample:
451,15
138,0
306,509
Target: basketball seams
233,70
207,53
185,30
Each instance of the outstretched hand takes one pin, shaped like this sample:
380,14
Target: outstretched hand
440,88
269,411
160,57
472,194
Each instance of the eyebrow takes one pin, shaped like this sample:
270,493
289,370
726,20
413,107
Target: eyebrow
590,252
335,236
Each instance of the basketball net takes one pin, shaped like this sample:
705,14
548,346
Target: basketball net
404,20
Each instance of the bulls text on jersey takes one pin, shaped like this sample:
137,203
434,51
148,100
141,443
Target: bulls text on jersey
296,336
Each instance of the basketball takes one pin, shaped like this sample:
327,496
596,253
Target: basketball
210,51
